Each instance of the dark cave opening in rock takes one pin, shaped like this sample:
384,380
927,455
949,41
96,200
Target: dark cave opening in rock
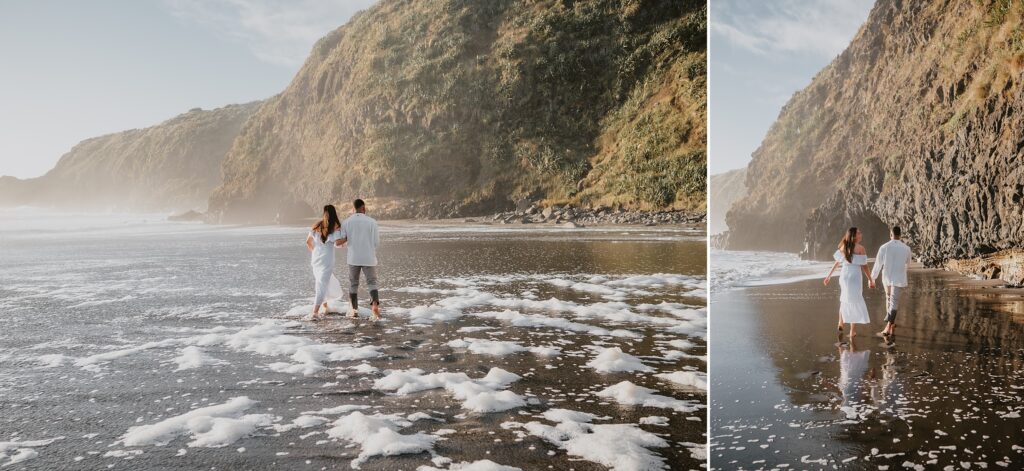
825,230
875,231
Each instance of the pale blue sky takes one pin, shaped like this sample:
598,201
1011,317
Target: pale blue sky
76,69
761,52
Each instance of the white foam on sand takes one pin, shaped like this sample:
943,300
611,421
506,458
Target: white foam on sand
267,337
654,420
613,360
659,280
487,347
472,329
686,320
517,319
212,426
487,394
604,291
621,447
500,347
693,379
627,393
481,465
23,450
52,360
302,421
270,337
192,357
334,306
343,409
378,435
100,358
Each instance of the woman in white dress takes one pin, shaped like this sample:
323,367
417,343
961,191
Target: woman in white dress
854,261
322,239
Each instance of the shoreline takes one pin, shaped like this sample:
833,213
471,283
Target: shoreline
966,277
571,219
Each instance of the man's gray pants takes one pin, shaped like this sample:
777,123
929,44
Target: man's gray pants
371,283
353,277
892,300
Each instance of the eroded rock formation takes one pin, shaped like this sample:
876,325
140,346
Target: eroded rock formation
444,108
917,123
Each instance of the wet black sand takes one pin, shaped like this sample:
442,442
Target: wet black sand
788,393
181,284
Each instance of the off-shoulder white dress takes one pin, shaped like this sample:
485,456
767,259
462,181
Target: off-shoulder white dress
322,262
851,285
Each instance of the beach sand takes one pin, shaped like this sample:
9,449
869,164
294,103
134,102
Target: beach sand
145,344
946,394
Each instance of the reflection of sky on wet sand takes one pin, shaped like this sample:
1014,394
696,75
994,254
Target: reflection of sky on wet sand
947,392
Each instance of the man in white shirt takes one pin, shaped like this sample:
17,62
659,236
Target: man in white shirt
892,260
360,232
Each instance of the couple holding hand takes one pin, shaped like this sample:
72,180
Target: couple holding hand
360,233
892,260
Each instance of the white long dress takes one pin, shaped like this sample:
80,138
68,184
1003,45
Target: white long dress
851,285
322,261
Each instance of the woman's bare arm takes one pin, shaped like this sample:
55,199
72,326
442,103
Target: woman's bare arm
867,274
309,242
830,272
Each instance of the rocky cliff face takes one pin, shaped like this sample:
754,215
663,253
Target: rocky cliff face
454,107
724,189
917,123
168,167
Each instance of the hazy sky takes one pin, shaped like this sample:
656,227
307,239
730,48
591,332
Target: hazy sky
761,52
75,69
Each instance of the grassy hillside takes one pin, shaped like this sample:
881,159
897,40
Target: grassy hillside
459,107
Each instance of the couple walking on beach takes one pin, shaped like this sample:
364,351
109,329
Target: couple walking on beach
358,232
891,261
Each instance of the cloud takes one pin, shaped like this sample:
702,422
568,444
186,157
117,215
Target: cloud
821,28
280,32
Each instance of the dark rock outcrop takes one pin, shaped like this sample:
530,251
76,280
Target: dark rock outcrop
172,166
454,107
572,216
917,123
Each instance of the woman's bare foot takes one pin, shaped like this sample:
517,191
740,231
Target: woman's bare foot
353,313
325,309
376,310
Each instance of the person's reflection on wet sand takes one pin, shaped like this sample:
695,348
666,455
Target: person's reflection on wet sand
887,385
853,367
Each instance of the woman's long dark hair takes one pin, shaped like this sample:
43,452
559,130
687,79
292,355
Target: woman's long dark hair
328,224
848,243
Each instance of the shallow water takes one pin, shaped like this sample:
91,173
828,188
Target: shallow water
946,394
128,323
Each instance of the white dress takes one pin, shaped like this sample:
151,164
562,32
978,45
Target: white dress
851,284
322,261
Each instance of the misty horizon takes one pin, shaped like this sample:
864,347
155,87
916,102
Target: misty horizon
111,67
